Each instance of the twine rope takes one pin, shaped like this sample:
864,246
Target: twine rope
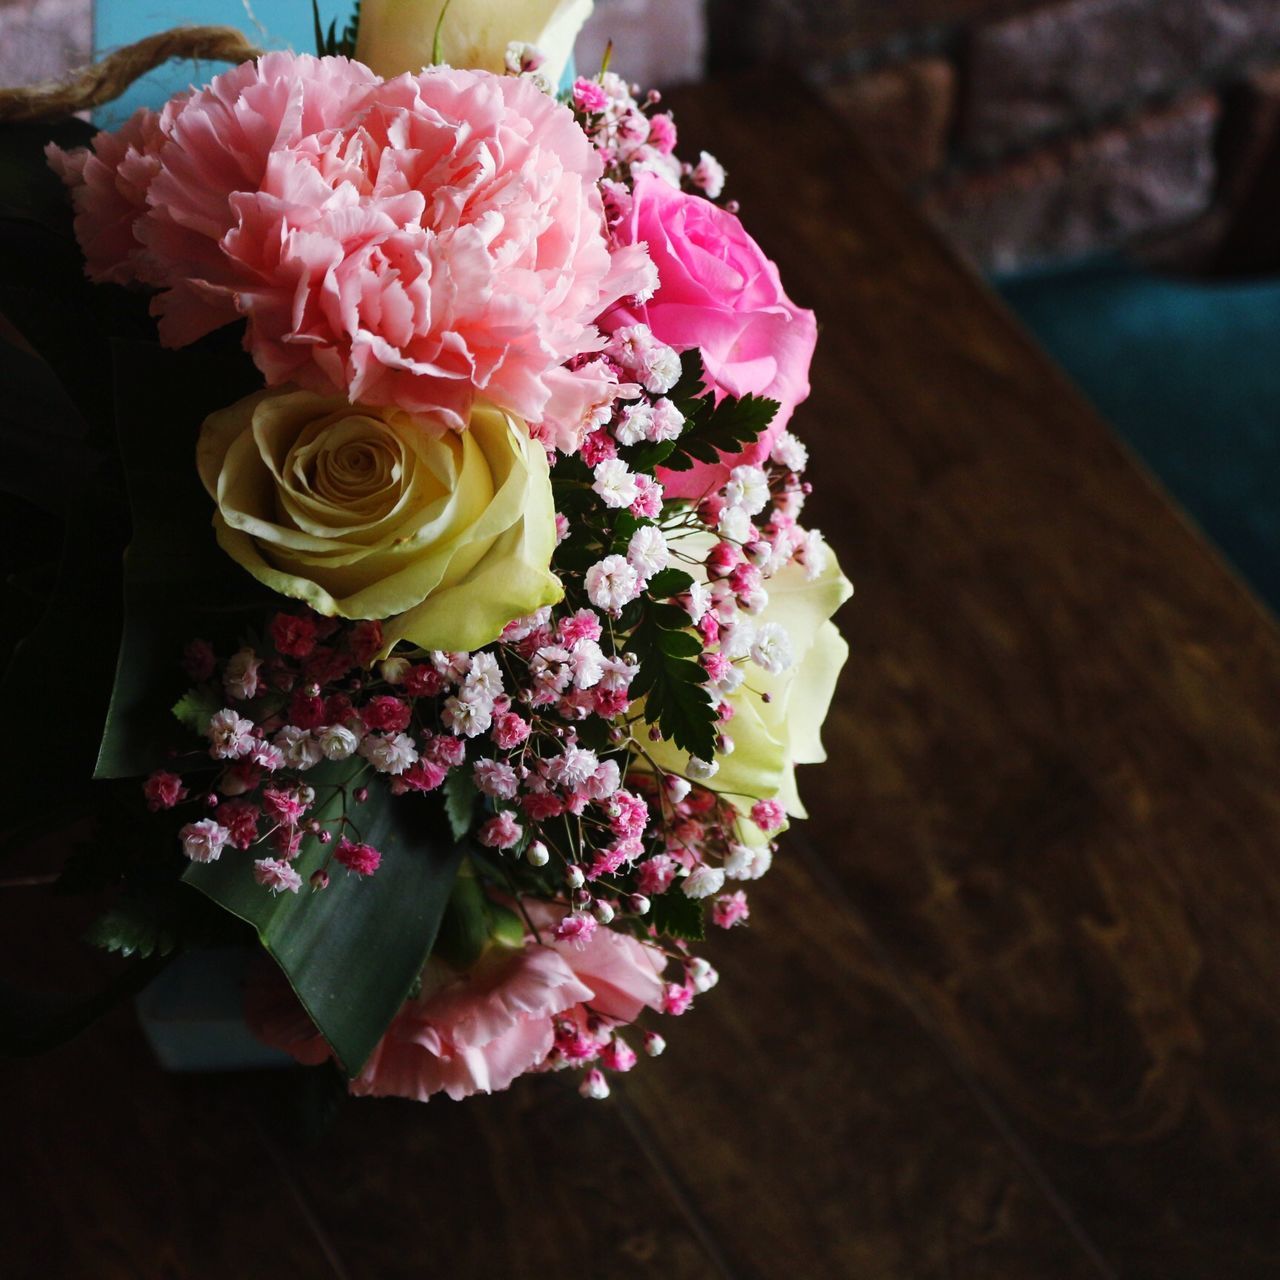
106,80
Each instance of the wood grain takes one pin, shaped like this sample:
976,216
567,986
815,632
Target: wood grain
1057,742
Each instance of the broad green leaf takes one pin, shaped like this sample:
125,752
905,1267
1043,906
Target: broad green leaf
177,582
352,951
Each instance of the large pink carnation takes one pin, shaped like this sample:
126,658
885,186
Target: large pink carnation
414,242
479,1031
718,293
153,199
451,241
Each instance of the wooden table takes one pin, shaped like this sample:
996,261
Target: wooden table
1008,1004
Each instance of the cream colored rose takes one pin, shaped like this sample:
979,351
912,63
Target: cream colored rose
771,738
374,513
397,35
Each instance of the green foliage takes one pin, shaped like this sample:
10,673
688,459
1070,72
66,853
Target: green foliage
670,680
353,951
460,797
710,429
675,916
332,43
198,706
670,582
133,927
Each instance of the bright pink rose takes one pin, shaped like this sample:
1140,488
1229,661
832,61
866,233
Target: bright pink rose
719,293
477,1032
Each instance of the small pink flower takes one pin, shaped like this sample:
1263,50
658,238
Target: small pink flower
292,634
580,625
662,133
163,790
509,730
730,909
240,676
598,447
501,832
425,775
386,713
589,96
676,998
279,877
282,806
363,859
768,815
648,502
576,928
240,817
366,641
656,875
618,1055
495,778
612,583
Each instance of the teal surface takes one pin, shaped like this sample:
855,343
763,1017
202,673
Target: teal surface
275,24
1189,374
270,24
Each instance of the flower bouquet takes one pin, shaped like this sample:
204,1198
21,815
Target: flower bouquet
470,634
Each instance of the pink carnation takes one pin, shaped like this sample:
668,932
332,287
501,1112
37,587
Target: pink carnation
109,185
720,294
477,1032
447,241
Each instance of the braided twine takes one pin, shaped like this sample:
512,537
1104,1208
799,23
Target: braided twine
106,80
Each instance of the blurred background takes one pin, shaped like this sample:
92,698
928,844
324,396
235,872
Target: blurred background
1112,166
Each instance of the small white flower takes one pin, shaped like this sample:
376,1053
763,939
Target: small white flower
734,524
789,452
697,600
702,882
771,649
709,174
737,638
469,714
748,488
298,746
612,583
677,787
587,664
389,754
337,742
485,677
635,424
277,876
594,1085
537,854
453,666
702,975
747,863
701,770
571,769
203,841
648,551
814,554
615,483
230,735
668,421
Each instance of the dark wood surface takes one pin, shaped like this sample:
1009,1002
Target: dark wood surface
1008,1005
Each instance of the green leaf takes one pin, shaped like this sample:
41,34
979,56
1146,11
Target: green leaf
197,707
466,926
352,951
675,916
177,582
670,582
133,927
460,797
671,684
